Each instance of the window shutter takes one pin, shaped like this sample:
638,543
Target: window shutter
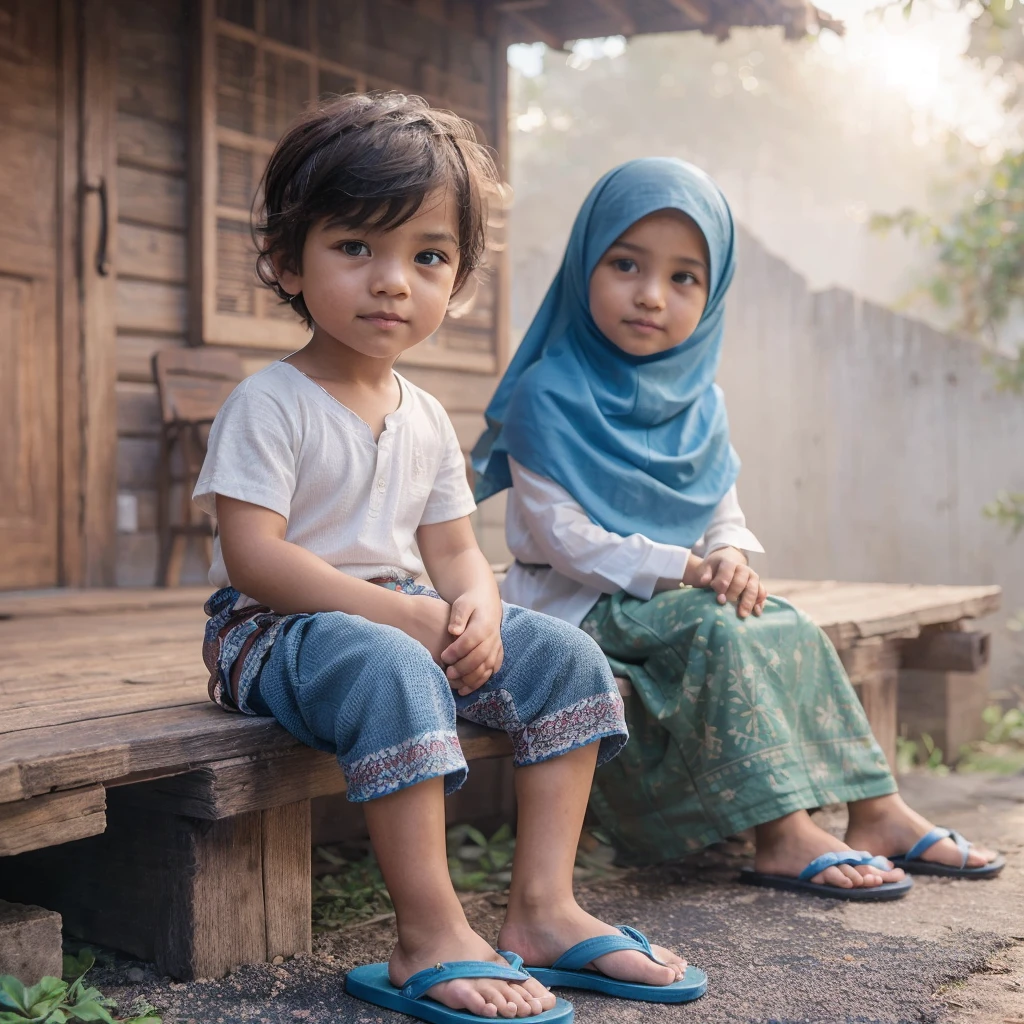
262,62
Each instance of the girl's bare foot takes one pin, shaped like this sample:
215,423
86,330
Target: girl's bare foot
485,997
787,845
886,826
541,933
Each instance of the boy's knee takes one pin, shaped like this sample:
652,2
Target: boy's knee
559,643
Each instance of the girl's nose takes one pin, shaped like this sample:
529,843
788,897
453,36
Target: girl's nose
650,294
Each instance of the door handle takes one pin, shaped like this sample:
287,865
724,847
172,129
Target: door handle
102,262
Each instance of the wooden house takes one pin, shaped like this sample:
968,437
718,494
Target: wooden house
132,138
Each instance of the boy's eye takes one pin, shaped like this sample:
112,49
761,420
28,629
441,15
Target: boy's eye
355,248
625,265
431,258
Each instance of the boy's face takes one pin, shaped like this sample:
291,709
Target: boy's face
380,292
649,290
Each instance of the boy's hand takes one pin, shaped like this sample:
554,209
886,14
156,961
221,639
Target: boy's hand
476,653
726,572
428,623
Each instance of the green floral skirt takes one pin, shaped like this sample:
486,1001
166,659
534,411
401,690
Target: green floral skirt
732,722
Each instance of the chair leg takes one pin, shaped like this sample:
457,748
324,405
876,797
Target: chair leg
163,510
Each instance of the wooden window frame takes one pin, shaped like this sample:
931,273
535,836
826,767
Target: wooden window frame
256,331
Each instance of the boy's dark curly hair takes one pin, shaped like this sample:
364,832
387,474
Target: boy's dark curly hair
370,159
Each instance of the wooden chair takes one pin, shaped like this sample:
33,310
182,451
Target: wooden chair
193,384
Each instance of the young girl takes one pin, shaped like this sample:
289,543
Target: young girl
624,518
324,470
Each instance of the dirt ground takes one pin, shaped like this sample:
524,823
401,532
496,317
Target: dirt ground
950,952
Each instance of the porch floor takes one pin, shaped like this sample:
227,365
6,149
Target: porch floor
109,687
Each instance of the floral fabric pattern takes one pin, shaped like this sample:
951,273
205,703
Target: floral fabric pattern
732,722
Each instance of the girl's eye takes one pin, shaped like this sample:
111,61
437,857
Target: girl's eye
626,266
355,248
431,258
684,277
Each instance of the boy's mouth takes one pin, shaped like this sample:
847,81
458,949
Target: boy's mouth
383,319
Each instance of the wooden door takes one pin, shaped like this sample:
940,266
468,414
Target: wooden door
30,218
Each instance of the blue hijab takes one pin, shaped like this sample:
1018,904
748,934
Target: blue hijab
641,442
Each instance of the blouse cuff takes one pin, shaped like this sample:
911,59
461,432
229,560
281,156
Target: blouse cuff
731,536
663,561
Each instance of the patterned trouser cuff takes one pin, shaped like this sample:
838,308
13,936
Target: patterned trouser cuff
598,717
414,760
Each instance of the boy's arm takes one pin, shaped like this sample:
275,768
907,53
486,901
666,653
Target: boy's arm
461,575
287,578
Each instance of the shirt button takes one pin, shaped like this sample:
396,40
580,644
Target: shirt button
380,484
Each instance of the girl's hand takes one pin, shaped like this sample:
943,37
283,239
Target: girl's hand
476,653
726,572
428,623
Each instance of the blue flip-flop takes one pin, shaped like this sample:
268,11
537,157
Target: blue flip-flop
911,860
803,883
568,971
371,984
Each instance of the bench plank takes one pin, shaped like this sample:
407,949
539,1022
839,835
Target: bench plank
243,784
52,819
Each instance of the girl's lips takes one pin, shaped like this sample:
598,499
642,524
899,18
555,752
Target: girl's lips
647,326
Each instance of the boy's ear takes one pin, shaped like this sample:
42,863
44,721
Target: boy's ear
289,280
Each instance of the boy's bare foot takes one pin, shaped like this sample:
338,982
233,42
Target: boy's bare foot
787,845
541,933
486,997
885,825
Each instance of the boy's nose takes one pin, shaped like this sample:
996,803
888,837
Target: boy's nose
390,280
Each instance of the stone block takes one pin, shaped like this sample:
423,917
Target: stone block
30,945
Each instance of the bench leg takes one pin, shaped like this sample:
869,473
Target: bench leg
945,705
197,897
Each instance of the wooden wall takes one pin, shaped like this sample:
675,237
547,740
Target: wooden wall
151,245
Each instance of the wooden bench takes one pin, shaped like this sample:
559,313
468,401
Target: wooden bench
158,824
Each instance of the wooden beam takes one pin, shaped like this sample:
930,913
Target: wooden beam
947,650
947,706
223,789
196,897
98,417
623,19
696,10
69,308
51,819
536,31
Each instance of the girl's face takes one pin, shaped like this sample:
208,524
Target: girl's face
648,291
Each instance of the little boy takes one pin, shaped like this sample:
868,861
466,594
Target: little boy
326,471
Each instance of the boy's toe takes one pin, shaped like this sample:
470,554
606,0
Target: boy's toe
543,996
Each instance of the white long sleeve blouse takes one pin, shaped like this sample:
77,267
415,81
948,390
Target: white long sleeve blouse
565,562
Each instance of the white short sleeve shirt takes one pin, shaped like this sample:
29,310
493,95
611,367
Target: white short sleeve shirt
282,442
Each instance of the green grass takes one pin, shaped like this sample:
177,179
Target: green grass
352,890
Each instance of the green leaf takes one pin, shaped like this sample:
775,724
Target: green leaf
503,835
90,1010
45,996
12,994
476,836
76,966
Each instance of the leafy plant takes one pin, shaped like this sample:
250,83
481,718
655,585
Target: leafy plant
922,753
479,864
353,892
58,1001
